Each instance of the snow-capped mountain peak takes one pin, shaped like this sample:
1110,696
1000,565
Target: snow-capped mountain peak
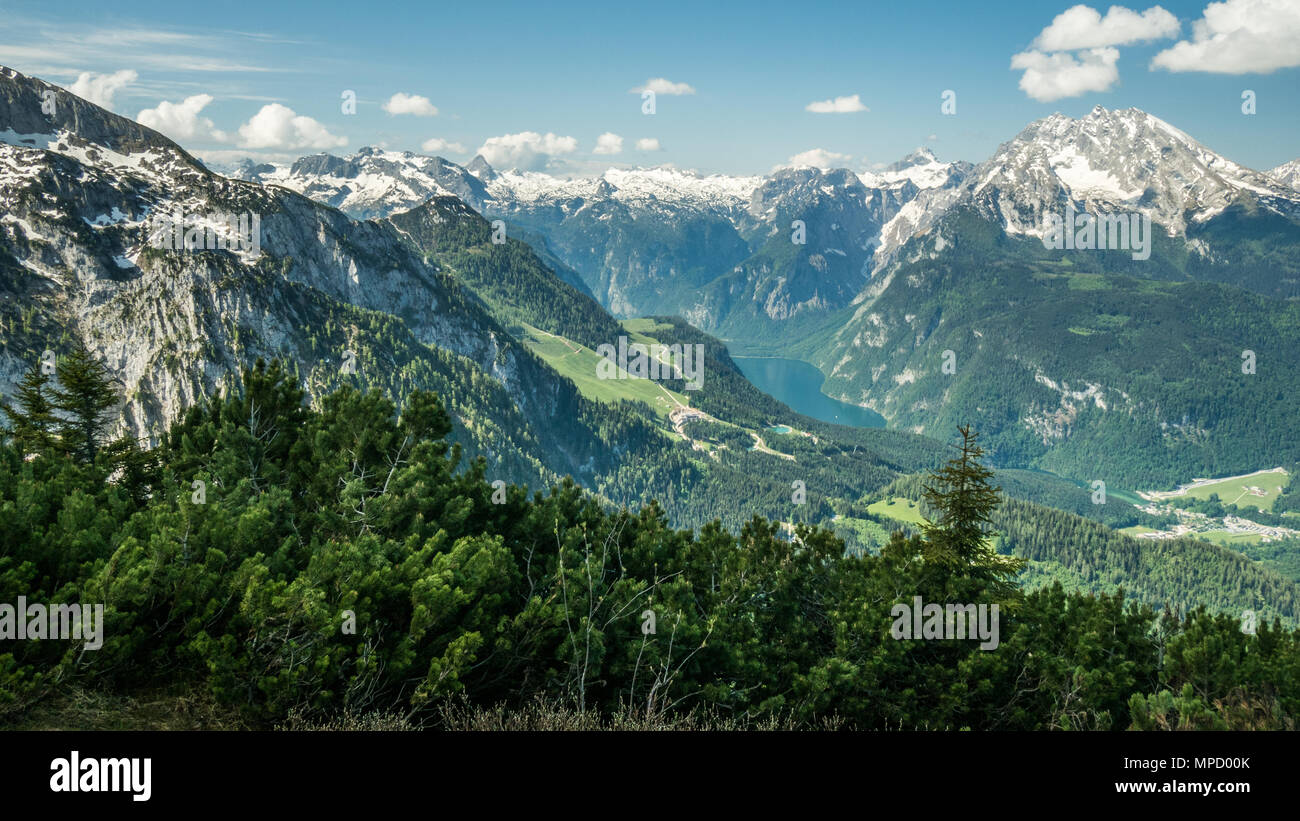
1115,160
660,184
1288,173
371,182
921,168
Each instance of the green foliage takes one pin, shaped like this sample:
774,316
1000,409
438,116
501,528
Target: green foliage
33,420
1176,402
310,564
962,500
85,397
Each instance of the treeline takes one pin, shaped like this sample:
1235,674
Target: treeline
290,559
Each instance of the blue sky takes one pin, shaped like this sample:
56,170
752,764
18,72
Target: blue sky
265,79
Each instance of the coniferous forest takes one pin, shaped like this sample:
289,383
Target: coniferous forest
301,566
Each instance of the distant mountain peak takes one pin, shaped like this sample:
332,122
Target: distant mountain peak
479,167
1288,173
921,156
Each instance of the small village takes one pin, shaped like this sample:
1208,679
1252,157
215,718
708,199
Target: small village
1193,523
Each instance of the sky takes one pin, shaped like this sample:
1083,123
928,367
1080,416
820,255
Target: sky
740,88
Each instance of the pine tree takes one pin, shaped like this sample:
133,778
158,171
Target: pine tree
84,397
33,421
958,542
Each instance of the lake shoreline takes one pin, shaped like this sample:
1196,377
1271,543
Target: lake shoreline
798,384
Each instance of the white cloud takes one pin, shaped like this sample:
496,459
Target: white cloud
100,88
817,158
181,121
661,86
932,138
277,126
1080,27
839,105
1239,37
1053,76
527,150
437,145
609,143
401,103
648,144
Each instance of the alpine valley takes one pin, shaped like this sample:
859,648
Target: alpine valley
379,270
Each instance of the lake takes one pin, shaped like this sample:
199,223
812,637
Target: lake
799,385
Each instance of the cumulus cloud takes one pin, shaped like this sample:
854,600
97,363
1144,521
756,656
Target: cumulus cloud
817,158
182,121
277,126
1076,53
1239,37
609,143
401,103
1080,27
100,88
1053,76
527,150
839,105
437,145
648,144
661,86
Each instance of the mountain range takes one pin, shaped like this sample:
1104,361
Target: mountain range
872,289
383,270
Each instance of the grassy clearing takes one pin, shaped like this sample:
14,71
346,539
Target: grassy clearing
1137,530
577,363
643,326
1126,496
1240,491
898,509
1226,539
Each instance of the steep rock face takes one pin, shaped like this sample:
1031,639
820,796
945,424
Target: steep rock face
79,256
25,103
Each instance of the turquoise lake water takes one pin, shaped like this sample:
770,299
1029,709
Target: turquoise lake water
799,385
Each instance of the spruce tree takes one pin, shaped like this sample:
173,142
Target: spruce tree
33,421
83,398
958,541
